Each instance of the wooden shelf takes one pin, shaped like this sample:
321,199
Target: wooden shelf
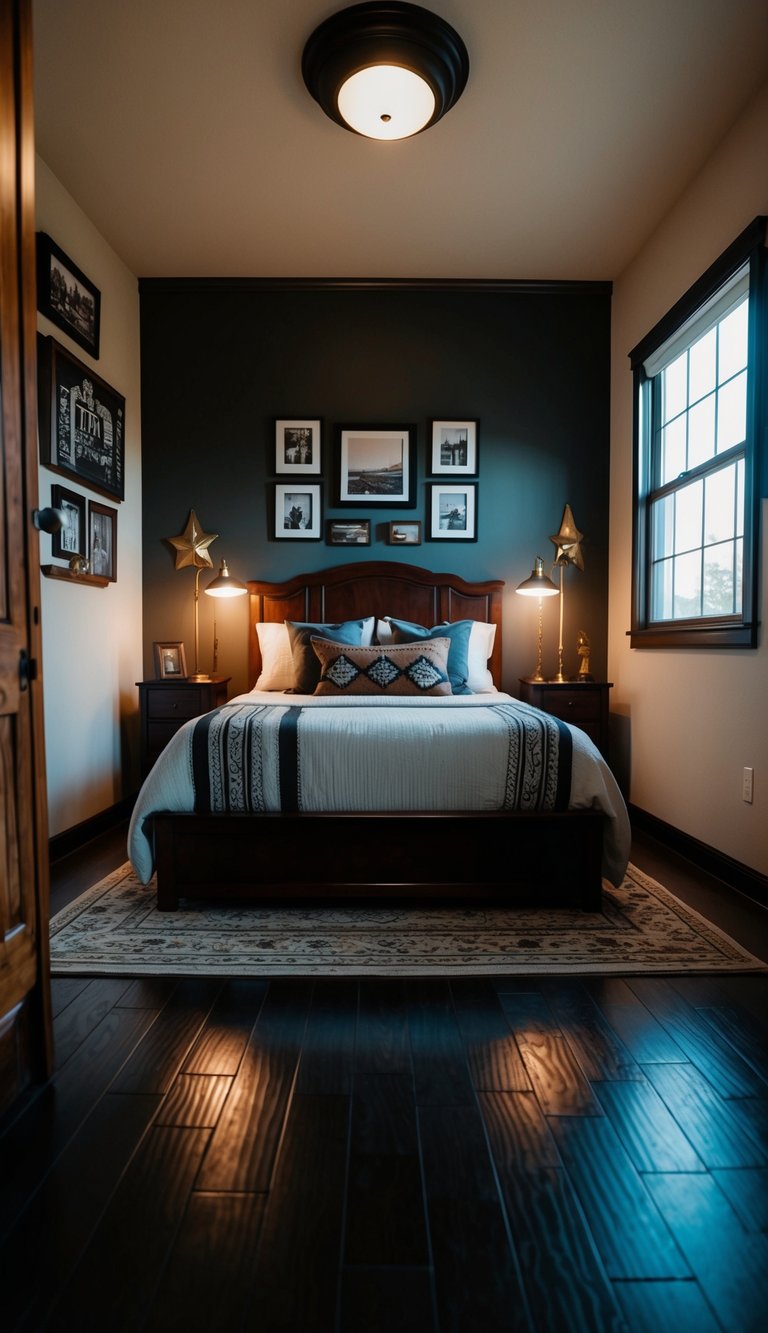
69,576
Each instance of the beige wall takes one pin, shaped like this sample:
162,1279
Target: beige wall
91,636
689,721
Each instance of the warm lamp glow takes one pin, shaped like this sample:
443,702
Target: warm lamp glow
386,102
224,585
538,585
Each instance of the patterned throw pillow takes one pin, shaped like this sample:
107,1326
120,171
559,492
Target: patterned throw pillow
415,669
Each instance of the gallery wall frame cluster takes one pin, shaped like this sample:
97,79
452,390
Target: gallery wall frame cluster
375,465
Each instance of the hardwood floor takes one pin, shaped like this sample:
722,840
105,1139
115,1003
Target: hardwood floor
347,1156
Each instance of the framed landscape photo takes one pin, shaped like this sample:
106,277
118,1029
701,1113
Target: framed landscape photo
71,539
102,540
297,446
298,513
66,296
348,532
170,661
377,466
82,421
454,448
452,512
404,533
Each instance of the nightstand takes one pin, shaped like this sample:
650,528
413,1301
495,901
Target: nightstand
585,704
167,704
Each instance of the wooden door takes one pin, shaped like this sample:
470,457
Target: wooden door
24,987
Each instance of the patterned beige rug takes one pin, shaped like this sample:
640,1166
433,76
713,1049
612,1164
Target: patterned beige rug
115,929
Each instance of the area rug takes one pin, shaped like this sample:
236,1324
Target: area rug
115,929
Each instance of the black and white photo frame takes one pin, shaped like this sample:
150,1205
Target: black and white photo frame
102,540
298,446
454,448
298,511
452,512
71,539
66,296
377,466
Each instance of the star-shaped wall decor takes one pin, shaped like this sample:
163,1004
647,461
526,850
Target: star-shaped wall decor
568,541
192,544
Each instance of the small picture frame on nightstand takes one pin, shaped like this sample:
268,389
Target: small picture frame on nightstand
170,661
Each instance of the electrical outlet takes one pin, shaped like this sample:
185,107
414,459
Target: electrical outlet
746,785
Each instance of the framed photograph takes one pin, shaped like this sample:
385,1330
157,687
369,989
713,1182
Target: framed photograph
297,447
454,449
170,661
377,465
406,533
298,512
452,512
102,540
82,421
72,539
348,532
66,296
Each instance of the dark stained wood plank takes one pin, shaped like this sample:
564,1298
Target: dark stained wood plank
220,1045
599,1051
208,1278
477,1278
440,1070
194,1101
647,1128
148,993
59,1218
642,1034
730,1265
383,1115
553,1069
717,1128
380,1300
242,1152
381,1044
495,1062
655,1307
64,990
296,1268
385,1222
750,994
746,1037
158,1059
716,1058
747,1193
327,1056
633,1241
519,1131
85,1012
119,1270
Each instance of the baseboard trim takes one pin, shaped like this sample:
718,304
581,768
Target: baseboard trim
72,839
733,873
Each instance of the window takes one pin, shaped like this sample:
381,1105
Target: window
699,387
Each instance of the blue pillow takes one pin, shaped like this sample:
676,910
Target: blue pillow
306,667
457,632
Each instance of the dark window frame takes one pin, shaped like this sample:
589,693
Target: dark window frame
734,631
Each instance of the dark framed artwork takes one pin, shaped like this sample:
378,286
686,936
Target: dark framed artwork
66,296
298,446
454,448
170,660
298,511
452,512
377,466
404,532
82,421
348,532
72,538
102,540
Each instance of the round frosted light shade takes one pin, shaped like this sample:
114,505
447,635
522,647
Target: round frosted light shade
386,102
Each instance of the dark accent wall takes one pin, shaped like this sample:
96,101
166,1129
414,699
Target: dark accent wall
221,359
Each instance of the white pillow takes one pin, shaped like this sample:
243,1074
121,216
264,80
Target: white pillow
481,640
277,672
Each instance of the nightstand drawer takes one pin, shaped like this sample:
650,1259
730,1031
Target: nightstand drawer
573,706
585,705
173,703
166,707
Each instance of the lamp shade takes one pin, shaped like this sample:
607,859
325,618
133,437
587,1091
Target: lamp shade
385,71
224,585
538,584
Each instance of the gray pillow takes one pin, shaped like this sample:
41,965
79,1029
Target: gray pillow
306,667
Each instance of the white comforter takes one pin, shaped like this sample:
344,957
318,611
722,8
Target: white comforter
336,773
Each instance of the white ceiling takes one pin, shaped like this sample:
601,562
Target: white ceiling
184,130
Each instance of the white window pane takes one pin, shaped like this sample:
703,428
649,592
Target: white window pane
733,342
687,601
702,366
674,388
673,450
739,573
718,580
701,432
732,413
688,503
663,527
661,597
719,505
740,498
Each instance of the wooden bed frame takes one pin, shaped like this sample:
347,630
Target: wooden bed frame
556,858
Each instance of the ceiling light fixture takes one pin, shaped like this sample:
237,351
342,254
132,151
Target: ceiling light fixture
385,71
